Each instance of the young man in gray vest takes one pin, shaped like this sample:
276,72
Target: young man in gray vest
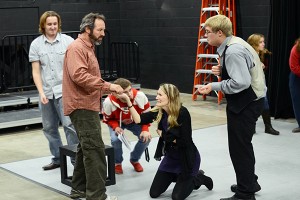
244,87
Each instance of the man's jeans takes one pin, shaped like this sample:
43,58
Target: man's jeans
52,114
139,148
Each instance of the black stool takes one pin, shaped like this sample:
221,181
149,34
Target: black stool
71,151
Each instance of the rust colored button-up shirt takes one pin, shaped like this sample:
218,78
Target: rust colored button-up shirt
82,82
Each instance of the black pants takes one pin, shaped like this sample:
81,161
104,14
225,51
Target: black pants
241,127
162,180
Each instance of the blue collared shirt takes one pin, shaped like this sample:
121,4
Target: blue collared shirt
51,58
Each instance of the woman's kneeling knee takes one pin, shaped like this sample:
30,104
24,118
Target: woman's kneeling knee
154,194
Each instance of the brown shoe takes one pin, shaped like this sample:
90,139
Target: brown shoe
76,194
51,166
296,130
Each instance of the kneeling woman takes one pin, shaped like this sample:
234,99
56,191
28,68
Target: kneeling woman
181,160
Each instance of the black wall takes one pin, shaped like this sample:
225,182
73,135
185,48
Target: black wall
167,33
21,17
166,30
253,17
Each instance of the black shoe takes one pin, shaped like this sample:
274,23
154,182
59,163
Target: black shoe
271,130
201,179
208,182
75,194
256,187
235,198
51,166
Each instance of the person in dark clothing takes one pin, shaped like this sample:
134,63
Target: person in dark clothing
181,160
294,81
257,41
243,83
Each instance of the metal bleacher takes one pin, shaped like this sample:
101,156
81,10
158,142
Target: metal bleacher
16,116
18,95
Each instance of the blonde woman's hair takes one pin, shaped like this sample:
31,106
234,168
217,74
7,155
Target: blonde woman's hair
44,17
173,95
220,22
254,40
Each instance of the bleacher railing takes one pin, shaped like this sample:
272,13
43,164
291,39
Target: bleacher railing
117,59
125,60
15,68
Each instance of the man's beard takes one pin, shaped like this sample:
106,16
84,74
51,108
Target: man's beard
95,39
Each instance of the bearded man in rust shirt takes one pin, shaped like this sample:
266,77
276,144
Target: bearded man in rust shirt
82,89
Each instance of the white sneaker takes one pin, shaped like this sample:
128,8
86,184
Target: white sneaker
111,198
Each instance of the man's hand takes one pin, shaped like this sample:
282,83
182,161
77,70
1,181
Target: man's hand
205,89
119,131
44,99
123,97
145,136
216,70
116,88
159,132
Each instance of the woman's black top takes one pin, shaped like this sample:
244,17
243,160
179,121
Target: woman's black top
183,150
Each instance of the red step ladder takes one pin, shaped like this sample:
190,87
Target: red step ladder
206,54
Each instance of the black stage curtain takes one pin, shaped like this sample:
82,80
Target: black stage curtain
284,30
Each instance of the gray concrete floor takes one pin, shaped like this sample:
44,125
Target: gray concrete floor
18,144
